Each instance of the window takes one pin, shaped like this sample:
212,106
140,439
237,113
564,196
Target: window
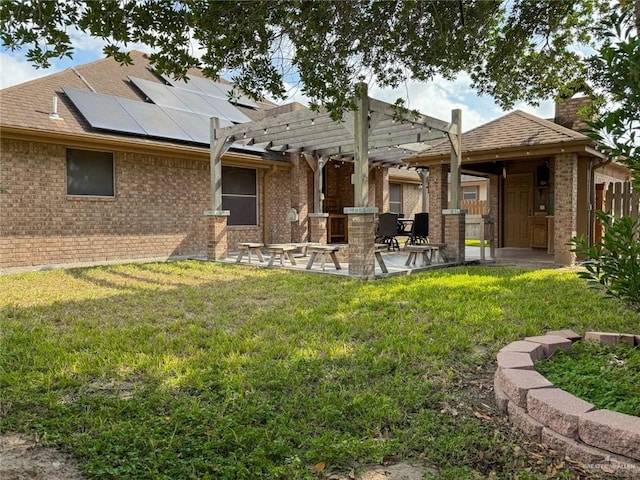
239,195
395,198
90,173
470,193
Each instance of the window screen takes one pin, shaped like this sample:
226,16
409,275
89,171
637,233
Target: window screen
239,195
470,193
90,173
395,198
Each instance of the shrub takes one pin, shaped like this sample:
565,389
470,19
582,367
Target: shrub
613,263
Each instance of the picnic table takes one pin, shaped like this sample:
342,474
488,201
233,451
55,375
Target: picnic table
248,247
379,248
425,252
281,251
322,251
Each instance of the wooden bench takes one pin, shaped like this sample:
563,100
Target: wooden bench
425,252
247,248
381,247
440,250
282,251
304,247
322,250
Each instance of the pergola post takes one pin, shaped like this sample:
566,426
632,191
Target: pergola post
456,151
361,218
217,246
424,188
317,219
361,151
454,217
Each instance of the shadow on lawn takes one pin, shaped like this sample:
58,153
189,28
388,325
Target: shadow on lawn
242,373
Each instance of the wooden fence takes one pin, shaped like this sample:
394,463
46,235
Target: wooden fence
618,198
474,207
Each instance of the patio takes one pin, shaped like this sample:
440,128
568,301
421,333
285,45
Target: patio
395,262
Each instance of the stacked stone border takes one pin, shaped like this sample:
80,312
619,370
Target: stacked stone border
602,440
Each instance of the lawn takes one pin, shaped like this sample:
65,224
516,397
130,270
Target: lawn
195,370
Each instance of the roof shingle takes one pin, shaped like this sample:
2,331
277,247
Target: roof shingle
515,129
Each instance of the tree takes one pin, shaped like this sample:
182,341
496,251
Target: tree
513,50
615,71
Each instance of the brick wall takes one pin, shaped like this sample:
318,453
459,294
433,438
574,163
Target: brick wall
567,112
279,187
411,199
157,210
565,212
438,188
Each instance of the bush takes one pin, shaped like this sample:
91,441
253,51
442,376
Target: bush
615,261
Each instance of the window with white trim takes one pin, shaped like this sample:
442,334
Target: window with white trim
90,173
240,195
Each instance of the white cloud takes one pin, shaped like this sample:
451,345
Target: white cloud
16,70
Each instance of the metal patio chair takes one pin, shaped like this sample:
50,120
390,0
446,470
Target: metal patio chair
387,230
420,230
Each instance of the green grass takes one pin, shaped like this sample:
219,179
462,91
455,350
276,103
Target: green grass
608,377
475,243
202,370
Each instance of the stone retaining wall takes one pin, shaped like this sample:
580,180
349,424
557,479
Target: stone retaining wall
603,440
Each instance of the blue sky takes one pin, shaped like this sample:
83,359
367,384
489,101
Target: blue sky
436,98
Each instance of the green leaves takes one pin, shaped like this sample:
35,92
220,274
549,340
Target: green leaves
516,50
614,263
615,70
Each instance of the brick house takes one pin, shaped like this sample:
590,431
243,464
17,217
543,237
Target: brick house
542,177
80,181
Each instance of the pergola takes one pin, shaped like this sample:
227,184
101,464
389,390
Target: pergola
375,133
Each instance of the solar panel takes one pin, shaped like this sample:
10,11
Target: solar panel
196,125
103,111
204,86
208,87
107,112
226,110
197,102
159,94
154,120
181,84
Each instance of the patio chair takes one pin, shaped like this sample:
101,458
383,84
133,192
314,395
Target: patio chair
420,229
387,230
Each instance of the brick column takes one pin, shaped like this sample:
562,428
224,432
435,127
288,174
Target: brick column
565,191
454,234
438,201
217,245
362,241
318,227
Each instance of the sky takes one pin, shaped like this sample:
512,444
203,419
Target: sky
436,98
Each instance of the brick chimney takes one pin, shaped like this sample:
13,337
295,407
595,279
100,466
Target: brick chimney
567,112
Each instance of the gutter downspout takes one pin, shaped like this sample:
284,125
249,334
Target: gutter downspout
265,204
592,197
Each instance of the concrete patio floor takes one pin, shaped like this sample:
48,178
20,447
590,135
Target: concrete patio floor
395,262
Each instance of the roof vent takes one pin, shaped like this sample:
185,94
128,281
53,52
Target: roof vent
54,109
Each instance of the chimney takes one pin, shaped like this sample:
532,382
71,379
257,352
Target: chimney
567,112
